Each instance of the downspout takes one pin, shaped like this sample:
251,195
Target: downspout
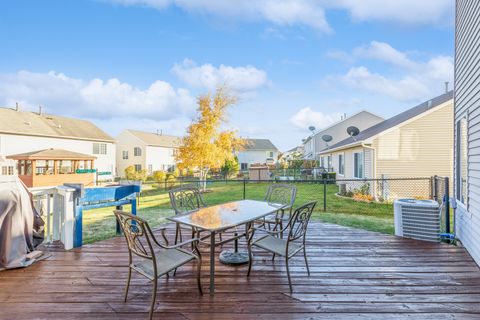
374,173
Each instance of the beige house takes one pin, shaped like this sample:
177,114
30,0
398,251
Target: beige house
146,151
414,143
25,131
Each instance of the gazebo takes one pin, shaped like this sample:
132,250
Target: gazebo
53,167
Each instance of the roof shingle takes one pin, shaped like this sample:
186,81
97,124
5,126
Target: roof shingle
393,121
31,123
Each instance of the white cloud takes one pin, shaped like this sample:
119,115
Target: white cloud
238,79
94,98
414,79
306,117
404,89
283,13
312,12
417,12
384,52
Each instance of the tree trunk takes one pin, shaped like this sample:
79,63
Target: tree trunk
203,178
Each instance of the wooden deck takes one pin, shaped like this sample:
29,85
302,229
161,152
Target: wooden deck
356,274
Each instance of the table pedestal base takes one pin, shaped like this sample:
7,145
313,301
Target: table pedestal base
232,257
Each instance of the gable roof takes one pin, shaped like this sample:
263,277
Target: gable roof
259,144
157,140
393,121
342,121
52,154
34,124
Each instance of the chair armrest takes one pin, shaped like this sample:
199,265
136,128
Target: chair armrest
183,243
272,232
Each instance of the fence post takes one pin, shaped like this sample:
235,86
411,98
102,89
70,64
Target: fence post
244,187
435,187
118,230
324,195
447,205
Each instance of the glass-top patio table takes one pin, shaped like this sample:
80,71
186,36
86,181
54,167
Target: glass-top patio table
215,219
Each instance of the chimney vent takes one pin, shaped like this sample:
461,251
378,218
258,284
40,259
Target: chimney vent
17,107
446,86
40,111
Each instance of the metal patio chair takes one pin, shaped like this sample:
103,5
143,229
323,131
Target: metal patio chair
185,199
152,263
282,194
295,242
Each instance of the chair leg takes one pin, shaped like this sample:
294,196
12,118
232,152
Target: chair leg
273,257
306,261
128,283
154,296
288,275
177,230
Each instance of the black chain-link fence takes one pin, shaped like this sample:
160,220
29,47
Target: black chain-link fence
328,192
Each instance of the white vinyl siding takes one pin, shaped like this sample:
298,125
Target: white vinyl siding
467,105
368,163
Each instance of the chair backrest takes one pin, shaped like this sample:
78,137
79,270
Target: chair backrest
185,199
281,193
137,233
299,221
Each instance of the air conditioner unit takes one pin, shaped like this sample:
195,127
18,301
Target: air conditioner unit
417,219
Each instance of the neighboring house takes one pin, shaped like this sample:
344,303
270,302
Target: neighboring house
314,144
292,154
467,126
414,143
23,132
257,151
146,151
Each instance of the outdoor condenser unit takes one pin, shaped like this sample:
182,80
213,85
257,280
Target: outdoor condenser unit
417,219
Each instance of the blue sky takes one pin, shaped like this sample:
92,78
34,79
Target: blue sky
294,63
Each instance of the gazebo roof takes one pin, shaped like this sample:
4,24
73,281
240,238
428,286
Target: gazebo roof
51,154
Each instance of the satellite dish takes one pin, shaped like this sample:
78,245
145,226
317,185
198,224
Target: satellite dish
353,131
311,128
327,138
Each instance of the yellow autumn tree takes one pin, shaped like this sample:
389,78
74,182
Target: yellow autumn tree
205,147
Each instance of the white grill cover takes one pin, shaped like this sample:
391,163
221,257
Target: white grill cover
16,224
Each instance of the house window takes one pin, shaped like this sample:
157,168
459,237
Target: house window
341,164
462,161
358,165
243,166
137,152
125,155
329,162
270,154
99,148
138,167
7,170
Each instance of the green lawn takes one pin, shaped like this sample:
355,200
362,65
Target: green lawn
154,206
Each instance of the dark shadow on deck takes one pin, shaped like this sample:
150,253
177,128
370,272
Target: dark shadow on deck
356,274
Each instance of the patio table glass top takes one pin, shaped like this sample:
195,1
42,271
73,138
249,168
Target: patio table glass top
227,215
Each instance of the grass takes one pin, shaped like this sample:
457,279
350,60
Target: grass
154,206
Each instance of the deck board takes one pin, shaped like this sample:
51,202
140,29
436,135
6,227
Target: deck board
355,274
